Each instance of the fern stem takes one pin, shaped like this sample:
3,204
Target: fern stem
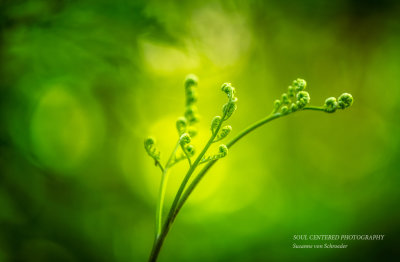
181,200
159,240
161,196
316,108
202,172
187,156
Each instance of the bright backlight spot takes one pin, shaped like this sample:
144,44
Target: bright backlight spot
165,59
224,37
61,130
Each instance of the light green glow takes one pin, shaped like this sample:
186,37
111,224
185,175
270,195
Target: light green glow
61,130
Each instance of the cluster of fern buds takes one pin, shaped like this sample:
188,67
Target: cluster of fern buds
344,101
219,133
295,99
184,126
191,113
152,150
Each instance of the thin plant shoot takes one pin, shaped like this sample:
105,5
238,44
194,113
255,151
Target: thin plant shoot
294,100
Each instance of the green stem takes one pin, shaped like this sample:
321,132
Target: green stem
177,160
316,108
246,131
160,165
180,201
252,127
161,196
159,240
192,168
202,172
187,155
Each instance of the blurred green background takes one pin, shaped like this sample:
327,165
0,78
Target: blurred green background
84,82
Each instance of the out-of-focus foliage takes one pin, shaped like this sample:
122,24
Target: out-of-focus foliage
82,83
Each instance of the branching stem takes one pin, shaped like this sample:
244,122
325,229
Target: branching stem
296,99
180,198
163,187
159,240
187,155
316,108
202,172
243,133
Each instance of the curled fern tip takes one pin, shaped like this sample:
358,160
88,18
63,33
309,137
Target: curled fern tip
185,139
345,100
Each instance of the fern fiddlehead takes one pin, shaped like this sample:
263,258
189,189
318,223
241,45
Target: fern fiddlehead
296,99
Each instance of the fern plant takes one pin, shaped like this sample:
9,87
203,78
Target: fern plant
294,100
